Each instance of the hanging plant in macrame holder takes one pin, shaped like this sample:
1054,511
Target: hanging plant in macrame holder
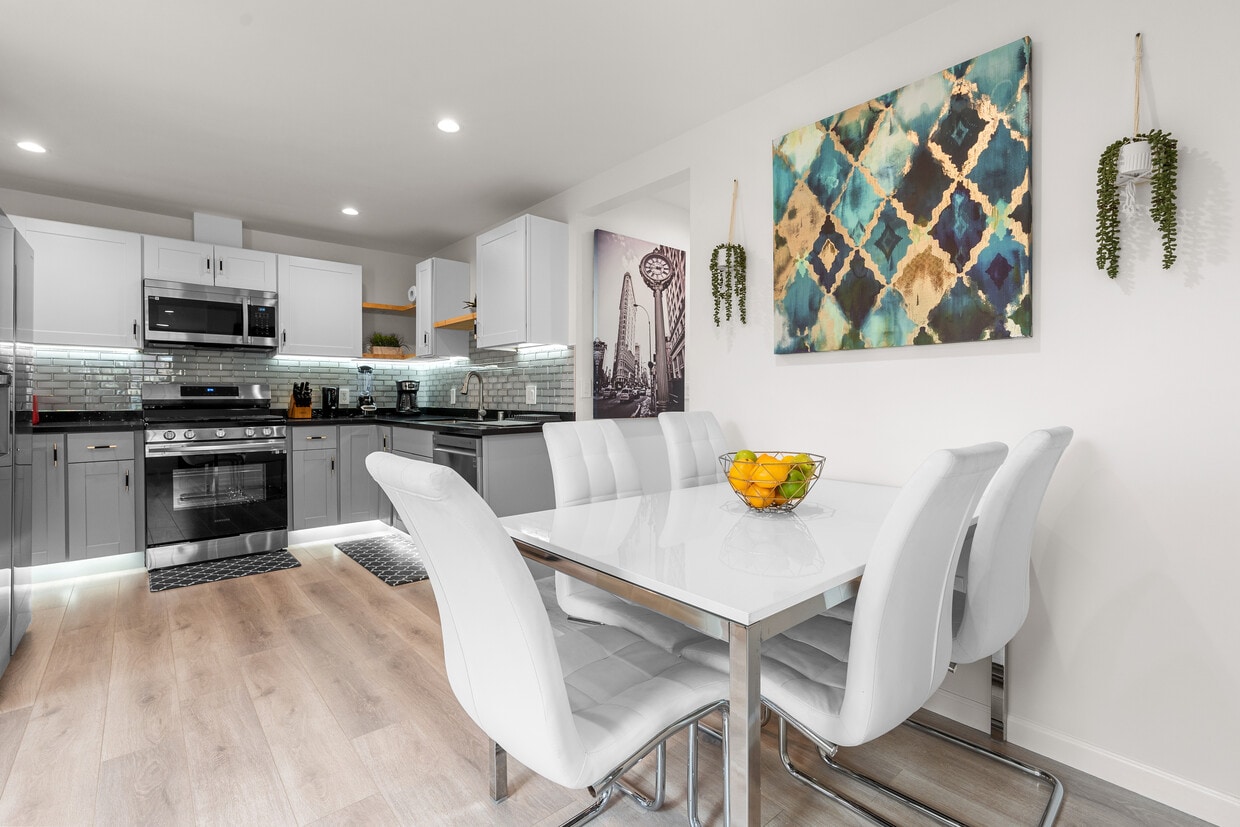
1151,157
727,272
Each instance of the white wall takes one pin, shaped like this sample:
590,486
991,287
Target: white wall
1127,665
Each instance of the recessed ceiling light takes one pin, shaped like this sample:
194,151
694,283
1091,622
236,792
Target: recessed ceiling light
448,125
31,146
349,211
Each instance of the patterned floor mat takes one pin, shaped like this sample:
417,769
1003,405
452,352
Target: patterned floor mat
210,571
393,559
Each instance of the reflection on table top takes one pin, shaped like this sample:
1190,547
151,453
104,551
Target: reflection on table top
703,547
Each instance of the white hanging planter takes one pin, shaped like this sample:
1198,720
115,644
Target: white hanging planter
1136,162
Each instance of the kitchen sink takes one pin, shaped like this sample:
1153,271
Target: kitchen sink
485,423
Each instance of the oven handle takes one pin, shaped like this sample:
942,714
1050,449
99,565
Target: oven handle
214,448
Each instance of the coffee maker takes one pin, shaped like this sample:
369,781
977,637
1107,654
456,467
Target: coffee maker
407,397
331,401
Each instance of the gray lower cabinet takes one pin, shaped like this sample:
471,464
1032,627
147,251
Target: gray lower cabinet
416,444
42,462
360,497
101,495
314,477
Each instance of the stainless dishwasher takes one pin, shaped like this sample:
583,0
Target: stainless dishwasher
463,454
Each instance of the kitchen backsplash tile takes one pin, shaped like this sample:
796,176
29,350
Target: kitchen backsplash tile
71,379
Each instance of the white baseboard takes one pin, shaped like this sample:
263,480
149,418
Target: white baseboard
69,569
1182,794
337,532
959,708
1172,790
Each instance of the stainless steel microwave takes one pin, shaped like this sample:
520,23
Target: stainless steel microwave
175,313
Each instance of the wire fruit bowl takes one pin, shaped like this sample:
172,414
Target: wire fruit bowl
776,481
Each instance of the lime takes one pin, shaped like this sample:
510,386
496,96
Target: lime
745,456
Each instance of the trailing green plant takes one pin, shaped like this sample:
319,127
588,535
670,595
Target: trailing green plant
1165,159
727,280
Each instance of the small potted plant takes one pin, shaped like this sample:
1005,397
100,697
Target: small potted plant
386,344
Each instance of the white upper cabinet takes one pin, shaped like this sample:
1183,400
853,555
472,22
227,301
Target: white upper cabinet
87,284
443,289
320,307
247,269
174,259
523,283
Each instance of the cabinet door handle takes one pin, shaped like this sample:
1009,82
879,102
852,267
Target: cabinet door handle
317,437
126,480
333,463
425,338
385,442
135,328
100,447
55,456
207,266
283,336
219,265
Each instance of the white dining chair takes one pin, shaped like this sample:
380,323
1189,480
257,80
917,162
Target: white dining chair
694,442
578,706
844,684
990,610
591,462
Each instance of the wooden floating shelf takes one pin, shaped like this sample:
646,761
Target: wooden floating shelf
395,308
465,322
386,356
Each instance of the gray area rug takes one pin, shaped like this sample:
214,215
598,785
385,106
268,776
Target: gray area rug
211,571
391,558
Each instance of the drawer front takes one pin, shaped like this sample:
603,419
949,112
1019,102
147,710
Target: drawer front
101,445
311,438
413,441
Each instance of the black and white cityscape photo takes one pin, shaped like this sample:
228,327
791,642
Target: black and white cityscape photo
639,327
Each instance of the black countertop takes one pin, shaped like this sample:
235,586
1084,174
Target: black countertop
453,420
82,421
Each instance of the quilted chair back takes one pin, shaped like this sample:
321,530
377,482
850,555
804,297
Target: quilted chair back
694,443
499,648
901,635
590,462
996,598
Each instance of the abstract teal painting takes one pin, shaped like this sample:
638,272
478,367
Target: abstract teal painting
906,220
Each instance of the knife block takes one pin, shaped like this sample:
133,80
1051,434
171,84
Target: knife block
296,411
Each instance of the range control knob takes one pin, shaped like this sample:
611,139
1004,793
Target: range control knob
221,433
266,432
190,434
249,432
170,434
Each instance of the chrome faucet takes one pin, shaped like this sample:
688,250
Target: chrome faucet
473,374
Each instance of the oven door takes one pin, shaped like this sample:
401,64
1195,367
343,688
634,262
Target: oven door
212,500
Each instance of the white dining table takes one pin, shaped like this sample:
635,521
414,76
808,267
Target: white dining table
699,555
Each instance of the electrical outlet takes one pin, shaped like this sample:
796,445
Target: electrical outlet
452,396
344,396
531,394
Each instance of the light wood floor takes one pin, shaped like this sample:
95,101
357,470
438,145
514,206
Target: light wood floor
317,695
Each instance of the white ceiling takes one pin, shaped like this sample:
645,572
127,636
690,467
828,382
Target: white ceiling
281,112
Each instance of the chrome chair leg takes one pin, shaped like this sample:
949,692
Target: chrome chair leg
692,803
592,812
660,782
912,803
1056,799
816,785
499,772
998,695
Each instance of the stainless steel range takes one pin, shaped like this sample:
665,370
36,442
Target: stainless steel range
216,478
